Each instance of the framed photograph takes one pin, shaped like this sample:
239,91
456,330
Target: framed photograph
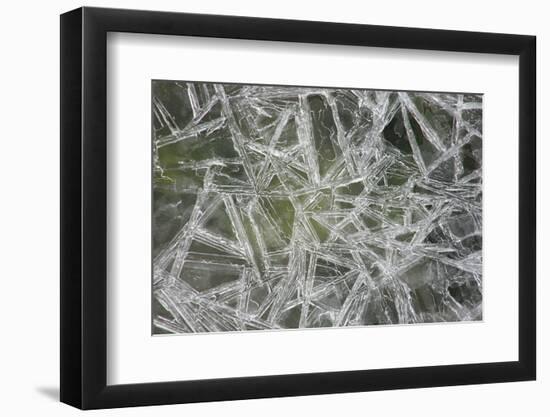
255,208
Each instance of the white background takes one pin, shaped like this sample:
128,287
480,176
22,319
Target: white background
29,212
133,60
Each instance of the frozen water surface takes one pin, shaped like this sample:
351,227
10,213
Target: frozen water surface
281,207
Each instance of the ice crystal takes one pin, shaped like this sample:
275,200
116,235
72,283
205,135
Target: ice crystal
280,207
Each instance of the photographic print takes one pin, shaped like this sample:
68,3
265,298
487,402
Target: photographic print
291,207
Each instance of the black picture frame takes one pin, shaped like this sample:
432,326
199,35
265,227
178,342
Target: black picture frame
84,207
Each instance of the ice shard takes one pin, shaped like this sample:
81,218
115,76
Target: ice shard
281,207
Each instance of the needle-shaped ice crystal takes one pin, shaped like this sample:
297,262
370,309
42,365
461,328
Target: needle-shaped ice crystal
293,207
